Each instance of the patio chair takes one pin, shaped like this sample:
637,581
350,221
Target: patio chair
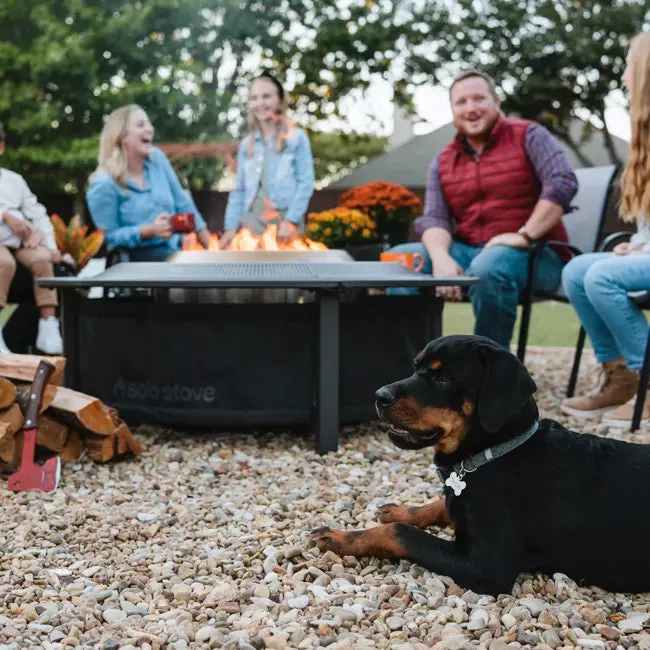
642,299
584,226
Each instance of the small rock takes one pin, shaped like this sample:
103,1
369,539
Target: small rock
552,638
592,643
508,621
182,592
633,623
298,603
608,632
535,605
527,638
478,620
395,622
111,644
205,633
114,615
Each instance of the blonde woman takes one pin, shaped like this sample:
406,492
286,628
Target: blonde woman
597,284
275,168
134,190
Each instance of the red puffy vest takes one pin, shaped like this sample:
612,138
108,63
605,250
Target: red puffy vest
495,192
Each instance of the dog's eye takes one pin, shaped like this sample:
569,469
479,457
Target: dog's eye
439,375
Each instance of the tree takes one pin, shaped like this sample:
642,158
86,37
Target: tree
65,64
337,153
554,60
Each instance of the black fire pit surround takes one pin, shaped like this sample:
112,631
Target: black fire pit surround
230,364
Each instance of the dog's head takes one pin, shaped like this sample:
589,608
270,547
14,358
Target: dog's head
463,386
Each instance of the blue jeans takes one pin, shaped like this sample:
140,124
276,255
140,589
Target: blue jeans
596,285
503,272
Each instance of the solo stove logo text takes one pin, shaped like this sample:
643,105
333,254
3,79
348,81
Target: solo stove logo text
143,390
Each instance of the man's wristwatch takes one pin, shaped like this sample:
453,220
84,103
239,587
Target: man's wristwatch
524,233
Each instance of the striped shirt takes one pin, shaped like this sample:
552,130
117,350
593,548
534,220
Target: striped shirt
558,181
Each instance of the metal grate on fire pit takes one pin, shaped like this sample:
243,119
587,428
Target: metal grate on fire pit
259,270
252,264
241,270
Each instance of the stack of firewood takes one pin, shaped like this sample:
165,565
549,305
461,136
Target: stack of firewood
70,422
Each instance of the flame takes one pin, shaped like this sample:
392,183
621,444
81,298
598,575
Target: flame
192,243
245,240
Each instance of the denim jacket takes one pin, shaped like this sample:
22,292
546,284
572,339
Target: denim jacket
291,179
122,211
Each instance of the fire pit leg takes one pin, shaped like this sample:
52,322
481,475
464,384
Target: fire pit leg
327,389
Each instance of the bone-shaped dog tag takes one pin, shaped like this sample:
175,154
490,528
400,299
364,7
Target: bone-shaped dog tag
455,483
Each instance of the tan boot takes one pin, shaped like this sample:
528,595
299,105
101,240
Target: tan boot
616,386
622,416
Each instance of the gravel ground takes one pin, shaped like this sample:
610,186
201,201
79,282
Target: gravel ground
201,543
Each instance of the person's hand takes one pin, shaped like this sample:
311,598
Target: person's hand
227,237
160,227
627,248
512,239
56,256
34,239
448,267
286,231
203,236
18,226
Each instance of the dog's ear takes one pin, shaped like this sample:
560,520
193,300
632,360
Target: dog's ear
495,379
507,386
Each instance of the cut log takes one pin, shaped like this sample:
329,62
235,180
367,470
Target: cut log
100,448
7,393
13,417
52,434
126,441
23,367
23,394
122,433
81,411
73,448
7,443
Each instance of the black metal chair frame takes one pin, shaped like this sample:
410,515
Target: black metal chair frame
529,295
642,299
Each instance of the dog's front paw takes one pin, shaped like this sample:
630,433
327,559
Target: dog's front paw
392,513
329,539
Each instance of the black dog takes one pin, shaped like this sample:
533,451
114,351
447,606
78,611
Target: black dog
542,499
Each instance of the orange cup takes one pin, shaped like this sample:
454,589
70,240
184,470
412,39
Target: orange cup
413,261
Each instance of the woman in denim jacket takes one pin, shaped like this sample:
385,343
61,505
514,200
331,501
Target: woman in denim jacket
135,190
275,168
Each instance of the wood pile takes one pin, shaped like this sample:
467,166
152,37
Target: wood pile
70,422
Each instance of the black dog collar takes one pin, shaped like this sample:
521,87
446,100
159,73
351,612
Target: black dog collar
471,464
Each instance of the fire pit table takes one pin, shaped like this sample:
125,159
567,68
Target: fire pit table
222,364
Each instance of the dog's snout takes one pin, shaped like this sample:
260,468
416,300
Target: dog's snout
385,397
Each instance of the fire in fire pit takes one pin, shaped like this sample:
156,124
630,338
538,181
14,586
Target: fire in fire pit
245,240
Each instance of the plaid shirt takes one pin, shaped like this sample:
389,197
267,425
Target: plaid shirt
559,183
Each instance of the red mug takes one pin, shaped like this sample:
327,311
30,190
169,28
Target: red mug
183,222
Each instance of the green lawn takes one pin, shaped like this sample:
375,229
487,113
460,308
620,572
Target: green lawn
552,323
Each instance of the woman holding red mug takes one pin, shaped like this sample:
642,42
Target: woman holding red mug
135,195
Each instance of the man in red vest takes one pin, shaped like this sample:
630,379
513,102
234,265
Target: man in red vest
498,187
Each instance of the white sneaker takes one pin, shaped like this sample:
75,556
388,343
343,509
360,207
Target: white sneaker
3,346
49,338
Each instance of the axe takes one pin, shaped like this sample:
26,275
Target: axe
31,476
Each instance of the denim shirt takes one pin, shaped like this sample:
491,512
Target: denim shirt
291,179
120,212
